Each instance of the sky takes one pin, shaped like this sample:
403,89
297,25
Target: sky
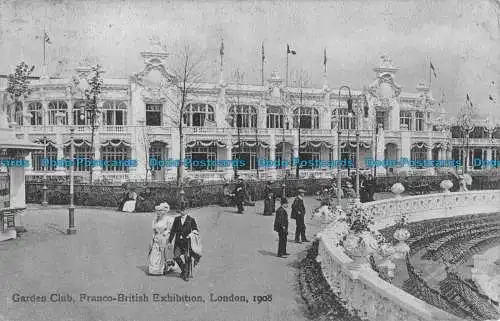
460,37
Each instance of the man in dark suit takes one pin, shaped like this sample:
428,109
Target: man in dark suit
240,195
281,226
298,213
181,228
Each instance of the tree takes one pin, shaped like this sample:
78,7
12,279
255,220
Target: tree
18,87
186,78
91,107
146,142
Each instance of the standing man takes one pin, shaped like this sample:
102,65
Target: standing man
239,193
182,228
281,226
371,185
298,213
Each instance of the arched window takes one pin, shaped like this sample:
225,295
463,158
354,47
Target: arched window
418,154
305,117
275,117
309,153
202,158
419,121
157,152
82,152
243,115
405,119
18,113
81,116
347,121
42,163
58,107
116,152
199,115
114,112
35,110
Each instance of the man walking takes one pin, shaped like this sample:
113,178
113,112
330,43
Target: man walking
298,213
240,195
281,227
182,228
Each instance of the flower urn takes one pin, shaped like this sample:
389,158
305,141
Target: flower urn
398,189
359,246
446,185
387,267
401,248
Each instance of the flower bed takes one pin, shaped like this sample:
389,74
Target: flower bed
322,303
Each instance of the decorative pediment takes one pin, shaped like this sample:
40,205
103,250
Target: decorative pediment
154,61
154,95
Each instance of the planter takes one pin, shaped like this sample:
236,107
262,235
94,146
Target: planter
359,246
446,185
401,248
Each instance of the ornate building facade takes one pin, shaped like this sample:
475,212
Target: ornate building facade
138,120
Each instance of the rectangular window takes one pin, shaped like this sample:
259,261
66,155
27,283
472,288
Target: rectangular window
153,114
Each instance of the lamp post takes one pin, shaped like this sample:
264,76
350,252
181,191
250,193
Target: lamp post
71,211
339,150
349,118
230,121
297,168
45,188
181,195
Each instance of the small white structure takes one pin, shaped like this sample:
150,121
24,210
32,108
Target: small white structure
13,151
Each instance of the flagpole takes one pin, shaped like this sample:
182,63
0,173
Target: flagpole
430,78
43,41
286,79
262,67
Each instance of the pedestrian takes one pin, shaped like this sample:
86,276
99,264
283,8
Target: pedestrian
298,214
281,227
269,202
371,185
159,258
228,199
182,228
239,193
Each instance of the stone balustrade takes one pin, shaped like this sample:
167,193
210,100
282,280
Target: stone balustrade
363,290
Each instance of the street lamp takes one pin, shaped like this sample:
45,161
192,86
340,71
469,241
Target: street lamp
182,194
45,188
339,150
298,123
230,121
71,211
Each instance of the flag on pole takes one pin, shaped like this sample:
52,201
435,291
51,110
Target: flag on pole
221,51
324,58
433,70
263,56
289,51
469,101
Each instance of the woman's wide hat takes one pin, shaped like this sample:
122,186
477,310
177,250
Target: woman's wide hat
163,207
301,190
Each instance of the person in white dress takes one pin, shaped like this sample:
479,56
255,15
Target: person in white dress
129,206
160,256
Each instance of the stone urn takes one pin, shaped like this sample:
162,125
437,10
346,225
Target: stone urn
387,267
398,189
446,185
359,246
401,248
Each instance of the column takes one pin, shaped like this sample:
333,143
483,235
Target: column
45,114
429,152
229,156
488,157
17,188
97,171
272,156
175,154
29,168
60,151
70,112
405,149
413,121
133,154
295,146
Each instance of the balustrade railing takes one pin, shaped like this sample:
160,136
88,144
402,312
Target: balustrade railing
364,291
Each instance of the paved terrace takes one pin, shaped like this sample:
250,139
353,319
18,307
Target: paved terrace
108,255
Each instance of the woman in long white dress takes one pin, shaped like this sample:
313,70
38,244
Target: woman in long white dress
160,256
129,206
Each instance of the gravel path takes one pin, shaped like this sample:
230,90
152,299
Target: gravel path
107,256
